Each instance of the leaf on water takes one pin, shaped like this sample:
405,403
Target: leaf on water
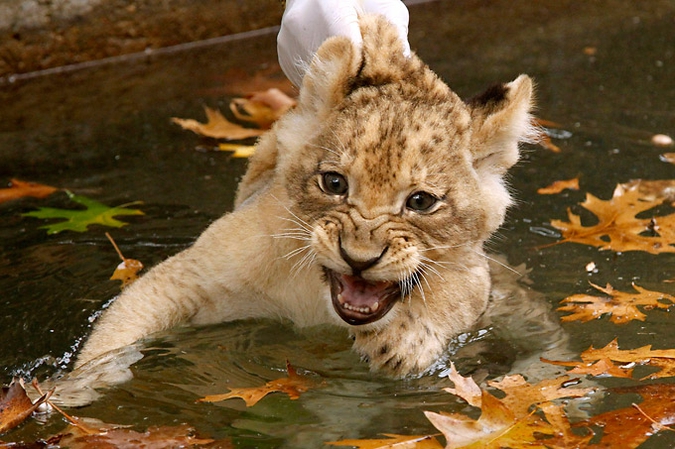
260,109
544,138
79,220
618,229
559,186
16,406
663,359
508,422
19,189
668,157
127,270
293,385
393,441
217,126
621,307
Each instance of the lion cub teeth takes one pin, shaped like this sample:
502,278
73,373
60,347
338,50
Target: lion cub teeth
345,305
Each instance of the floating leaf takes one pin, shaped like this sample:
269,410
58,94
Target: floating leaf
127,270
508,422
19,189
80,219
16,406
620,306
393,441
293,385
559,186
663,359
618,229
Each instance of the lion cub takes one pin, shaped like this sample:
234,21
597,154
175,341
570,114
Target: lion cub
367,207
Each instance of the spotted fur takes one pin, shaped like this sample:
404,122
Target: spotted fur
386,130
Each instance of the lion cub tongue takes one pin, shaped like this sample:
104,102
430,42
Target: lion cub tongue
361,295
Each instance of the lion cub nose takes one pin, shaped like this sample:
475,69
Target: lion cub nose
359,265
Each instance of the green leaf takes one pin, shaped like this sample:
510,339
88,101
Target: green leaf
80,219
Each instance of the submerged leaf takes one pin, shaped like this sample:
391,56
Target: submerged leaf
79,220
393,441
293,385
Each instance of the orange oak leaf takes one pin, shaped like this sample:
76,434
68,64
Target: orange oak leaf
618,228
19,189
602,367
506,422
16,406
629,427
260,109
559,186
663,359
621,307
293,385
393,441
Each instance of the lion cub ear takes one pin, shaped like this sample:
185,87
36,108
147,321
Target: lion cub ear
328,79
500,119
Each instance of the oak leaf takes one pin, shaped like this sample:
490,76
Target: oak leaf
88,433
16,406
293,385
393,441
663,359
622,307
19,189
629,427
80,219
260,109
618,228
506,422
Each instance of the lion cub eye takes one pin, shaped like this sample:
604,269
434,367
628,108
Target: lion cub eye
334,183
421,201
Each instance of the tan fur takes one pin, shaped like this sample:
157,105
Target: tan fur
390,128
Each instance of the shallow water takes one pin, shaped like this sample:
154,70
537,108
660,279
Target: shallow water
105,133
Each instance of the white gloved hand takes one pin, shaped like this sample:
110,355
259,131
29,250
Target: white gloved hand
307,23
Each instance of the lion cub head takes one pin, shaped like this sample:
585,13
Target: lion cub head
395,181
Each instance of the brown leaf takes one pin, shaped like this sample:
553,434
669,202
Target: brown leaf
127,270
618,229
16,406
19,189
217,127
262,108
628,428
238,150
664,359
237,81
393,441
622,307
91,433
559,186
293,385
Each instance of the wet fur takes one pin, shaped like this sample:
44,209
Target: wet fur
391,128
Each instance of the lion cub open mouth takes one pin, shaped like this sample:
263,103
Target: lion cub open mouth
359,301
